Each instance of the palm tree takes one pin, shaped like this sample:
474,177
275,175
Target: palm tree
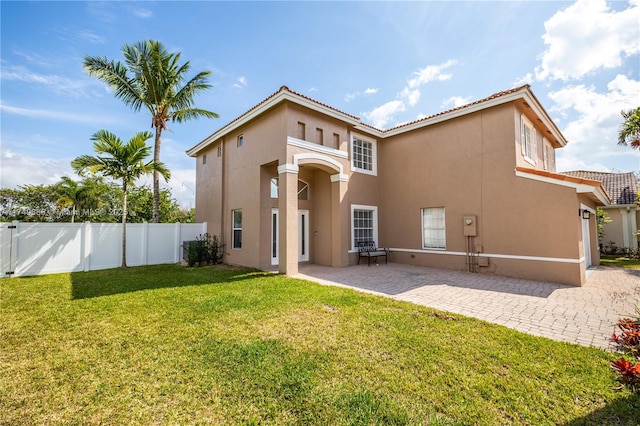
120,161
152,78
629,132
70,194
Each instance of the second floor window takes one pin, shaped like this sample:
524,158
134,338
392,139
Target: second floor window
528,140
363,155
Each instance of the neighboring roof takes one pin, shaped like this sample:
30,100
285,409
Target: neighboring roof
622,187
582,185
285,94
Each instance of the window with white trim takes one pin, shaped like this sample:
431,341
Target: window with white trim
363,155
549,156
433,228
364,224
236,228
528,140
240,141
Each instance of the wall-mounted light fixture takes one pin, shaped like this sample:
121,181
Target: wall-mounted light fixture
586,214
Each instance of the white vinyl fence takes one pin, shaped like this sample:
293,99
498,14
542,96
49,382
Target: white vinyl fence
28,248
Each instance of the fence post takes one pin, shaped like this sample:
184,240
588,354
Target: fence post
86,246
145,243
177,234
13,256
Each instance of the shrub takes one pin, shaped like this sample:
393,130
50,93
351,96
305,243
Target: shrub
205,249
628,341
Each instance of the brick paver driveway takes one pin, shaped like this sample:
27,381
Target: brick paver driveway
582,315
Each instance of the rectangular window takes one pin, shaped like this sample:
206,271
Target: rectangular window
364,224
220,150
240,141
204,159
528,140
549,156
319,136
237,228
336,141
433,228
301,131
363,155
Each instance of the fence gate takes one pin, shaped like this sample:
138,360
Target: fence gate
8,244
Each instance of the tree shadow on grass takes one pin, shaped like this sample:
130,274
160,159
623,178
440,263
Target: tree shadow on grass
109,282
622,411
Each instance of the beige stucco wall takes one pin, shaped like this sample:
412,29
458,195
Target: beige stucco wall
468,167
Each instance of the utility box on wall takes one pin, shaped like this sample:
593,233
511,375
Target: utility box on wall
469,225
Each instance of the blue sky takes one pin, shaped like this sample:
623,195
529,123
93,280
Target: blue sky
387,62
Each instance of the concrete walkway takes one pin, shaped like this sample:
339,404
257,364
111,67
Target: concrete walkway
581,315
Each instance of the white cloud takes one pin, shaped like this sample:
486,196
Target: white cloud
588,36
74,88
56,115
593,133
240,82
21,169
525,79
431,73
90,36
409,95
382,115
351,96
454,102
142,13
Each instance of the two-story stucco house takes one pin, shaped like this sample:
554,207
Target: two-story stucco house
294,180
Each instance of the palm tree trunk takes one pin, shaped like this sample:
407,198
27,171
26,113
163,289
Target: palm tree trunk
156,175
124,224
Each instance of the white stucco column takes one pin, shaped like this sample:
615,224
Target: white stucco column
340,228
288,207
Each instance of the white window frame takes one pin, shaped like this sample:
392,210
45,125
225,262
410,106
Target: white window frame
444,229
373,209
374,154
234,229
545,153
529,147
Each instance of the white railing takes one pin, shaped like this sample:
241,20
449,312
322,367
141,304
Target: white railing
29,248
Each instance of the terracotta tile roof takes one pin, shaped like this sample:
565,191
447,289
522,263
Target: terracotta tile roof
494,96
622,187
561,176
286,89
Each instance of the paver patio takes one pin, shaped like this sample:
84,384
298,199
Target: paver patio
582,315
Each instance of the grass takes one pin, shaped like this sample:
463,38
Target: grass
214,345
620,261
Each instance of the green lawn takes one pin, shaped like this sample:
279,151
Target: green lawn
622,262
175,345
